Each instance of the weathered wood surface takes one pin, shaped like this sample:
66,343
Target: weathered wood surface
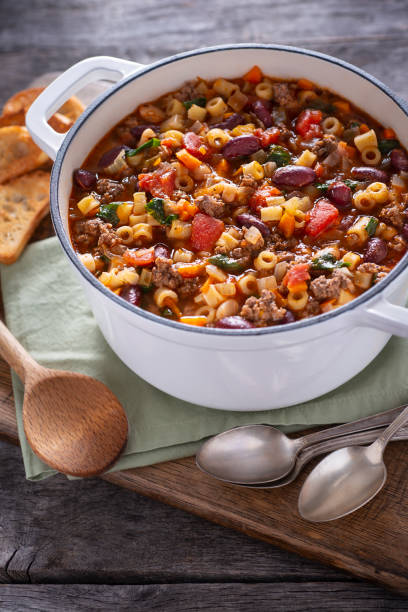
51,531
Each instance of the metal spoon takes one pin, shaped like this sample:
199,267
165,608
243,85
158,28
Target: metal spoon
327,446
255,454
346,479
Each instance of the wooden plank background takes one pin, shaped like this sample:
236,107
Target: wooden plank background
58,538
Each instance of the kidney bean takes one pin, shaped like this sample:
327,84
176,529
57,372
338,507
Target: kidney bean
161,250
229,123
367,173
84,178
241,145
247,220
234,323
399,159
109,157
288,318
261,110
376,251
138,130
346,222
295,176
132,294
340,194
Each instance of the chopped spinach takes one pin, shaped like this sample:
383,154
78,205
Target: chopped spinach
108,213
195,101
371,226
279,155
327,261
146,288
318,104
153,142
226,263
352,184
323,187
156,208
387,145
167,312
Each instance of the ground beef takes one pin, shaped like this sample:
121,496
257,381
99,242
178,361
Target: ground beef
285,256
324,146
189,287
109,241
262,310
283,95
312,308
124,133
211,205
345,278
130,182
164,275
279,243
393,214
326,288
87,231
187,92
373,268
248,186
108,190
246,251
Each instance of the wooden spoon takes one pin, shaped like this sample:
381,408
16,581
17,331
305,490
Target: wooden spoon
72,422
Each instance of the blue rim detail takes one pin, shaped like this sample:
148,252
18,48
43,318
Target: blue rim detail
66,244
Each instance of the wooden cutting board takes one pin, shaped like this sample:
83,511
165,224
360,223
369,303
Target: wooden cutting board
371,543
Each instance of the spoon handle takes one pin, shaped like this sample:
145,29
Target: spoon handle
371,422
387,434
15,355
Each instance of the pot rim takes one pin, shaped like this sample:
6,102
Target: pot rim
69,250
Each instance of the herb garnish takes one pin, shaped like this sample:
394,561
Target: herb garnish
327,261
195,101
108,213
153,142
279,155
323,187
371,226
156,208
226,263
321,105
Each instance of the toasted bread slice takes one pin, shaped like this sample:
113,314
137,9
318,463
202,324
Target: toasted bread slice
23,203
18,153
21,101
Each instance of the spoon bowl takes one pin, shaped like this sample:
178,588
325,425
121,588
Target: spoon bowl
340,484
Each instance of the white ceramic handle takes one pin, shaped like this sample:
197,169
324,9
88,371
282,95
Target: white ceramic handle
387,317
67,84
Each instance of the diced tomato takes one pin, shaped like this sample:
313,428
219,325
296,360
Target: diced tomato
160,183
308,124
267,137
140,257
194,145
321,217
258,200
297,277
205,232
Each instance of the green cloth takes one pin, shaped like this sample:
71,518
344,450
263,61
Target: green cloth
46,310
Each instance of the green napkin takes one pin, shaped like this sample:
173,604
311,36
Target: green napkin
46,310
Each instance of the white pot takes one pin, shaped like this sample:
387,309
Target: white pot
229,369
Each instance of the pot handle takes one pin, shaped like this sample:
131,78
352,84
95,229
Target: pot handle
387,317
67,84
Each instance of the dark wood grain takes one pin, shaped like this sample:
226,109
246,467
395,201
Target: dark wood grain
56,531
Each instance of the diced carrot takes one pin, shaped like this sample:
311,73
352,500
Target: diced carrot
206,285
295,279
319,169
305,84
345,149
342,106
287,225
223,168
226,115
254,75
327,305
169,142
190,270
187,211
389,133
188,160
364,128
198,320
140,257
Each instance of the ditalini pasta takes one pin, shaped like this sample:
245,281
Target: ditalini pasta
242,202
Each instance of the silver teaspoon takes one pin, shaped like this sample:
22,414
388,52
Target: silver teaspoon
255,454
327,446
346,479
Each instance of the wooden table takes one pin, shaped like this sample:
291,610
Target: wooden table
89,545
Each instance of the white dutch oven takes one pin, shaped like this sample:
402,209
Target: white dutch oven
228,369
